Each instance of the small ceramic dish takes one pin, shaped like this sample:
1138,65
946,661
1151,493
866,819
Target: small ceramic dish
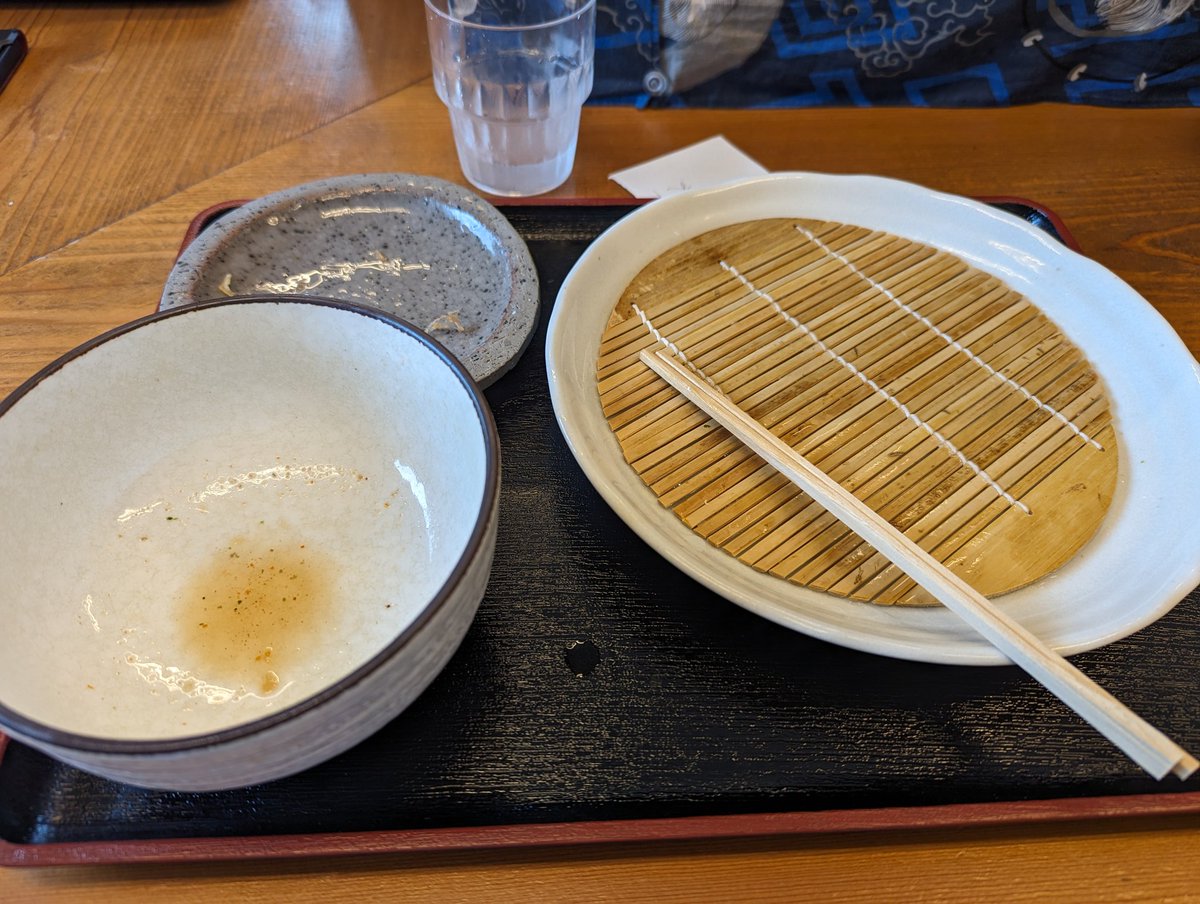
415,247
238,538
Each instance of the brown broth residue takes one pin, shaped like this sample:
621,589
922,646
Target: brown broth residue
249,617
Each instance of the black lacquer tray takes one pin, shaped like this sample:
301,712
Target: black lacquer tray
603,695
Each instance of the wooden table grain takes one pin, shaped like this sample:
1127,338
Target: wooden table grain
127,119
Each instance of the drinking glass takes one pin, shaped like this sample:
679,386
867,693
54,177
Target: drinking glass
514,75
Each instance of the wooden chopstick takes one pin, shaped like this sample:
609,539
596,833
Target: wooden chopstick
1142,742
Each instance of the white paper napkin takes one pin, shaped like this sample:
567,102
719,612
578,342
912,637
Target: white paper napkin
710,162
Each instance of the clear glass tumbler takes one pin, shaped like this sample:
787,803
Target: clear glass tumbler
514,75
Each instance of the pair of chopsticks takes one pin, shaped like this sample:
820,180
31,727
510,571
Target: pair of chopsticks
1142,742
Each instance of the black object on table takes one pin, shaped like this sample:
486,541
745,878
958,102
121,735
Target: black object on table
600,683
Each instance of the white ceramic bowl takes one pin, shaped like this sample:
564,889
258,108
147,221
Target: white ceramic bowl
237,539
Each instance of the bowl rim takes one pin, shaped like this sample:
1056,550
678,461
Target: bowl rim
27,727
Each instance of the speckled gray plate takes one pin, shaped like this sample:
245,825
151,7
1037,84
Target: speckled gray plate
425,250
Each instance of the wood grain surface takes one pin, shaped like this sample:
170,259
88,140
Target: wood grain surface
128,118
1084,864
120,104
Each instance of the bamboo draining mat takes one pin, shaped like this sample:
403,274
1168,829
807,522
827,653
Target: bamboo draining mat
935,393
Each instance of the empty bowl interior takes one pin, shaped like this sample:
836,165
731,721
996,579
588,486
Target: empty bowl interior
219,512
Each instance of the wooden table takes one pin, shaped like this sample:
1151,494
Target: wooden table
126,120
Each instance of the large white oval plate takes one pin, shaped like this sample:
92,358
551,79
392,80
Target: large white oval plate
1146,555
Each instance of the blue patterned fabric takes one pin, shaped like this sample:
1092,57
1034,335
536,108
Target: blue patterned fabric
939,53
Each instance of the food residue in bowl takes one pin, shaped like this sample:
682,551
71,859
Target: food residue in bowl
249,615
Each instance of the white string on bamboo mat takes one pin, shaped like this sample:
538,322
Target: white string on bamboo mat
900,406
949,340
